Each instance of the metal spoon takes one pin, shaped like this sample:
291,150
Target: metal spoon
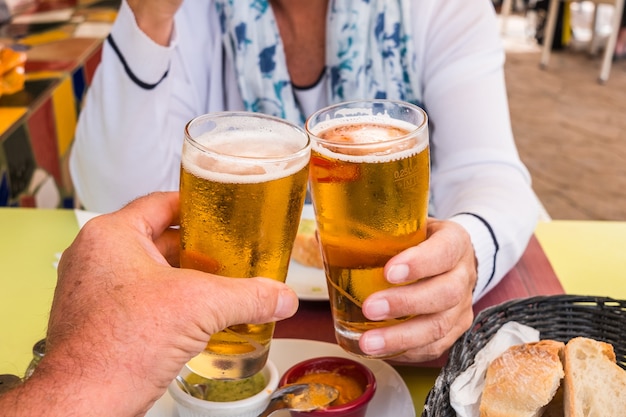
301,397
195,390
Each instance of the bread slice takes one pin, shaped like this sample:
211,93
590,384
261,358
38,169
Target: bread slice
523,380
306,249
594,385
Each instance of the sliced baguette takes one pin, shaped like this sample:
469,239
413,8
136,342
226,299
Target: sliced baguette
594,385
306,249
523,380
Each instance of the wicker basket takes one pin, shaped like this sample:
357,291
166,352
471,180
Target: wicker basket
560,317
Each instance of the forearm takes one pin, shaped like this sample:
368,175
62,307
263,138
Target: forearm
55,393
478,178
500,215
36,399
481,182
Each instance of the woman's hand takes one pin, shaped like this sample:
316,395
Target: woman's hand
440,275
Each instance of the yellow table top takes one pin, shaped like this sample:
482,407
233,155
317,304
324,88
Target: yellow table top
587,258
29,240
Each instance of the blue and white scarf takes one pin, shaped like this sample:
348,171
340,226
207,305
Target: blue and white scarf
369,53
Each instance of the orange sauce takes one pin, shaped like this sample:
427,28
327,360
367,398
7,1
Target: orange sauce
348,388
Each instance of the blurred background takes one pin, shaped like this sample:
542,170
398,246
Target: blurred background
570,129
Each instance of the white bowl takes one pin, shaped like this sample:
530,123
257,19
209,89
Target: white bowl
189,406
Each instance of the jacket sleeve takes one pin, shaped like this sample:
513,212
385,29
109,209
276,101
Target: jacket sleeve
478,179
129,134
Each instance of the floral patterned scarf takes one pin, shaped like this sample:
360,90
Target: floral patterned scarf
369,53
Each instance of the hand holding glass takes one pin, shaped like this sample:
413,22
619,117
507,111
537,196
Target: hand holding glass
370,176
242,188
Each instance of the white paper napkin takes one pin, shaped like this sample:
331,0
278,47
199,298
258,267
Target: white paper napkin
467,388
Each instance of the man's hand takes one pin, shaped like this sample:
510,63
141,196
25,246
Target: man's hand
124,321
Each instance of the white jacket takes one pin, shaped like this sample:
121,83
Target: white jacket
129,138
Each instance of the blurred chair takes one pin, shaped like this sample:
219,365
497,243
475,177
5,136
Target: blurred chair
607,58
505,11
509,6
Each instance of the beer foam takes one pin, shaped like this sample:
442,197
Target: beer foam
361,133
367,130
242,157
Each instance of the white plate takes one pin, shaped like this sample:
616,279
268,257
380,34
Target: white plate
309,283
392,397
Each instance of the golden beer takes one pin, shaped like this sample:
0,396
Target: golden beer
369,184
242,189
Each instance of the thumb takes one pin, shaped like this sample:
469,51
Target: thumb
231,301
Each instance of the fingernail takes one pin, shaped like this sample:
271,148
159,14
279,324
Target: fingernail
373,343
377,309
398,273
287,304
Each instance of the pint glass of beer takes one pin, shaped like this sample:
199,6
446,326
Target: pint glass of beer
370,174
242,187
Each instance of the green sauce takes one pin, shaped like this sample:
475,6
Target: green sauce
230,390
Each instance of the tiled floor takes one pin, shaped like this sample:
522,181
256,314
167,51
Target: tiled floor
570,130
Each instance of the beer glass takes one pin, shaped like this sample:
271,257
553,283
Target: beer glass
369,179
242,187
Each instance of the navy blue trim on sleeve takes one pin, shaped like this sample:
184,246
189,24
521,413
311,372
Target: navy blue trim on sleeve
129,72
495,244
